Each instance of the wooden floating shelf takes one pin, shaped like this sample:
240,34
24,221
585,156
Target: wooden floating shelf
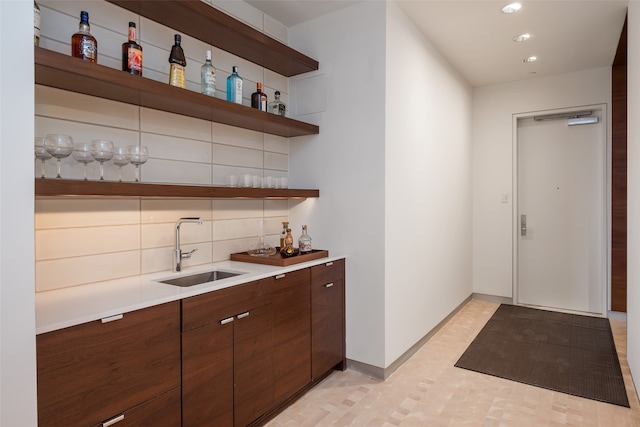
203,22
73,74
67,187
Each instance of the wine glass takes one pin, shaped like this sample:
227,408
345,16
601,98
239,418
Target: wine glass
59,146
137,155
120,159
82,153
41,153
102,151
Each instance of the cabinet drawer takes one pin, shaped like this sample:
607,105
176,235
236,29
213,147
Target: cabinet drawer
214,306
328,272
163,411
89,372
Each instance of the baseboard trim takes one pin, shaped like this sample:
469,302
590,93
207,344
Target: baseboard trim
384,373
492,298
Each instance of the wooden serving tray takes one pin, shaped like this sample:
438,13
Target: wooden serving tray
278,259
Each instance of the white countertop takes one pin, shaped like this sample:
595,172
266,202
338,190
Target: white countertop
66,307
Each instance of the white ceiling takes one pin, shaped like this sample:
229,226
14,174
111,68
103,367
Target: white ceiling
477,38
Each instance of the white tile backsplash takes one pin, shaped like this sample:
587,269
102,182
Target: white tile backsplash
85,240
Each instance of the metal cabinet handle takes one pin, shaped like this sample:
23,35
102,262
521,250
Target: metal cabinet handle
280,276
113,420
112,318
523,225
242,315
227,320
328,285
329,264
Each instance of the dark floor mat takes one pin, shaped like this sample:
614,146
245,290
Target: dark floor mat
563,352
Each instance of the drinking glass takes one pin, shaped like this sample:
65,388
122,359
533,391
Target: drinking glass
102,151
137,155
82,153
41,153
120,159
59,146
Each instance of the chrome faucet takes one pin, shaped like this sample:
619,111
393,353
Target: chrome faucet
179,256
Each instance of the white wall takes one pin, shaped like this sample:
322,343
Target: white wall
427,186
346,160
493,107
395,125
17,317
633,191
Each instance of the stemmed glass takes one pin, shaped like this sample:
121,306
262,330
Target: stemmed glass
41,154
102,151
137,155
120,159
59,146
82,153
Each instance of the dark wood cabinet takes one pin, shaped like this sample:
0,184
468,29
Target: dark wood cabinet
327,318
162,411
227,356
95,371
290,296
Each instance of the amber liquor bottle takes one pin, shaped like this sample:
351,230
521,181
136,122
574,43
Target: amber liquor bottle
178,62
132,53
83,44
259,98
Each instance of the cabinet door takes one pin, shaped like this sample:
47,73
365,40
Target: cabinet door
291,298
327,318
163,411
207,375
91,372
253,364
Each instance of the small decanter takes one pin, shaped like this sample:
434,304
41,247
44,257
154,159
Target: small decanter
288,250
262,248
283,234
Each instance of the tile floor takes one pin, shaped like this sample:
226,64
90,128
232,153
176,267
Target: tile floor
429,391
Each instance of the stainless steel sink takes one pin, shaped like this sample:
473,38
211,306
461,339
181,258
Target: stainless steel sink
199,278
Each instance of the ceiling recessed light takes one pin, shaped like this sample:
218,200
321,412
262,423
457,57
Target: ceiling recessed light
530,59
511,8
522,37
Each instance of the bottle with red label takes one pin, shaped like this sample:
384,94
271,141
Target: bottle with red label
132,53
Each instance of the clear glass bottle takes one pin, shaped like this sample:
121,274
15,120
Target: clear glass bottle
283,234
277,106
304,241
132,53
83,44
208,77
178,62
36,24
234,87
259,98
262,248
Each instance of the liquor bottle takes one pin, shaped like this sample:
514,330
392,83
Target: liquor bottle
285,225
234,87
178,62
304,241
259,98
36,24
83,44
277,106
208,77
132,53
288,249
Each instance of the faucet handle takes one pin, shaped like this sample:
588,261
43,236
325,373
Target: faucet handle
187,255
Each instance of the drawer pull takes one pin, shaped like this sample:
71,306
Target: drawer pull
227,320
329,264
328,285
113,420
243,315
112,318
280,276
